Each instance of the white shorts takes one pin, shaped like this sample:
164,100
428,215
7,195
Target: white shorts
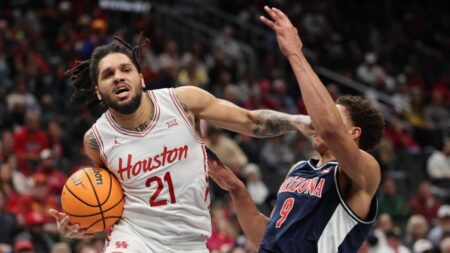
122,239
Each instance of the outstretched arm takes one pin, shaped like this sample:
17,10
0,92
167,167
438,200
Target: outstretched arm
359,166
221,113
251,220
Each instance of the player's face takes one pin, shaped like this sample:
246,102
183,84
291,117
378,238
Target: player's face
119,83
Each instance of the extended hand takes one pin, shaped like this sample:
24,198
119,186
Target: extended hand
223,176
70,231
287,35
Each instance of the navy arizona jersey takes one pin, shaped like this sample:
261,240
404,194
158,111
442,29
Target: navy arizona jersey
311,216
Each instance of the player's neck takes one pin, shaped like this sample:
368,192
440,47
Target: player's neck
140,119
324,158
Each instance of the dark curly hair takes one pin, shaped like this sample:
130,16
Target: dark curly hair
84,75
365,116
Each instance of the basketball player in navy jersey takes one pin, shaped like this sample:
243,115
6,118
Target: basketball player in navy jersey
326,205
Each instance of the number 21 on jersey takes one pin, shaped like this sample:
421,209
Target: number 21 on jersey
167,179
284,211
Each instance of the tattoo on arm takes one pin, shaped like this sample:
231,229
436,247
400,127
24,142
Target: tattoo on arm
270,123
93,141
190,116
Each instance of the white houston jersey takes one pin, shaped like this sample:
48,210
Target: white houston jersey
163,172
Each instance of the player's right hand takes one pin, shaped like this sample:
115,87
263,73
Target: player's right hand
65,228
224,176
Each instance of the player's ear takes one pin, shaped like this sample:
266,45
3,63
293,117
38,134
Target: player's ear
98,93
142,80
355,132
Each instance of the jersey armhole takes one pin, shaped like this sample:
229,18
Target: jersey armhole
183,114
100,145
373,209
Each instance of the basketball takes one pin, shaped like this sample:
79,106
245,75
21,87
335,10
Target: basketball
92,198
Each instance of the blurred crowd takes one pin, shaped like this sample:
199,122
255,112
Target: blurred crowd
399,48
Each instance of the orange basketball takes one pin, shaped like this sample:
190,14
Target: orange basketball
93,198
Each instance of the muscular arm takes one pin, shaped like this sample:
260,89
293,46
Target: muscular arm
92,148
252,221
359,166
221,113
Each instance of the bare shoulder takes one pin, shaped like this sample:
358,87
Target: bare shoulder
192,96
92,147
372,171
89,140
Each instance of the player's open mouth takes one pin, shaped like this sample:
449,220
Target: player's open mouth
122,91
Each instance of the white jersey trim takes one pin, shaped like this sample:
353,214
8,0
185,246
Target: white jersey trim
335,231
152,124
178,105
348,209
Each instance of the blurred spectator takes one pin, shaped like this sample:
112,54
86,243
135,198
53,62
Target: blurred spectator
197,52
8,181
442,227
284,102
416,229
445,245
369,71
438,165
223,82
222,233
24,246
437,113
193,75
228,44
383,225
39,201
20,100
396,132
392,202
58,141
276,156
221,62
55,179
425,203
226,149
422,246
8,223
34,232
169,60
60,247
230,94
7,145
250,146
5,248
260,97
423,130
394,244
255,186
29,141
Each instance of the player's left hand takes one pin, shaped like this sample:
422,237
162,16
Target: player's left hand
67,229
287,35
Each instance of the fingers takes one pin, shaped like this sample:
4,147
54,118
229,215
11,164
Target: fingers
56,214
267,22
279,14
271,12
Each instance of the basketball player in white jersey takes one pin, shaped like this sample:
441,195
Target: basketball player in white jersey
151,142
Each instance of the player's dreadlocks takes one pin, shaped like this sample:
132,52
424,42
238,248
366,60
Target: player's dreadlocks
84,76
